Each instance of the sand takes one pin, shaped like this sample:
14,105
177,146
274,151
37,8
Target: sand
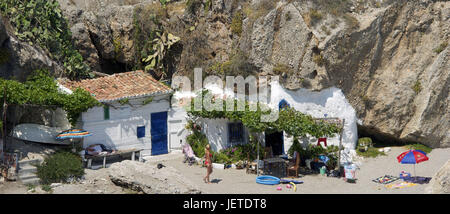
233,181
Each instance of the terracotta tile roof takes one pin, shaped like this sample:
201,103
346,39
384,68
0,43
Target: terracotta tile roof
131,84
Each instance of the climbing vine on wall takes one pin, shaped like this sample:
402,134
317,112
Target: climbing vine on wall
41,22
41,89
291,121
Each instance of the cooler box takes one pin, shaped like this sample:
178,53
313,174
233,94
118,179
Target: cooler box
405,176
350,171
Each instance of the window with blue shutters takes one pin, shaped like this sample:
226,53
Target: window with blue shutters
235,132
140,131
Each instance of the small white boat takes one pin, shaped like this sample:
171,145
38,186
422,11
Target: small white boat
38,133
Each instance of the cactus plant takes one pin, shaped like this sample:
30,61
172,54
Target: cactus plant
161,45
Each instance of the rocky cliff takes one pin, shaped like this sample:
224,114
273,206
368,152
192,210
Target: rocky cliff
390,58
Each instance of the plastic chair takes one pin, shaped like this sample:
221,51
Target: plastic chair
268,152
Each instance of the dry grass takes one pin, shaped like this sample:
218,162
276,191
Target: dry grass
236,24
261,9
280,68
352,22
318,59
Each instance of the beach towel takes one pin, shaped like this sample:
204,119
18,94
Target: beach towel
400,185
386,179
419,180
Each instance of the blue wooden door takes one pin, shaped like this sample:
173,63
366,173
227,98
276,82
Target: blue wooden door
159,133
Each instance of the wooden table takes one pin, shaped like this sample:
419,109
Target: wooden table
133,152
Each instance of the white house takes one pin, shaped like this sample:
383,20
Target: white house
328,103
136,112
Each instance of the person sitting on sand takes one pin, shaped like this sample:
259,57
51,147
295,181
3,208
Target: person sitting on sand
208,163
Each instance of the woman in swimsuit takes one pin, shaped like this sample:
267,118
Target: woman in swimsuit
208,163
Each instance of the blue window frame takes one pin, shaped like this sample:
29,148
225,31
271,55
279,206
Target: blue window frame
235,132
140,131
106,112
283,104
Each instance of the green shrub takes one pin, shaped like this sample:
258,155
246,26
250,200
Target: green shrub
4,56
31,187
351,21
314,16
318,59
370,153
365,148
417,87
419,146
259,9
325,30
280,68
441,47
238,64
236,24
365,141
198,142
193,5
46,188
164,2
41,22
41,89
335,7
59,167
219,157
312,152
295,147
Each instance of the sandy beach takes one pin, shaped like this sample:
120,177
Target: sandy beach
233,181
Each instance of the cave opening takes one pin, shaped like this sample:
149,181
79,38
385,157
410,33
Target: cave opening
380,139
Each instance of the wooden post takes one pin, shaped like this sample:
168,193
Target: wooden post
340,144
5,106
257,163
89,163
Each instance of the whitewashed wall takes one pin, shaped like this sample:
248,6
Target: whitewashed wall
330,101
177,120
216,130
120,131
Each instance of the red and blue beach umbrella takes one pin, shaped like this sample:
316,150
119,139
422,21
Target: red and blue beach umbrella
412,157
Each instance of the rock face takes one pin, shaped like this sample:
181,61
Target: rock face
393,75
147,178
19,58
440,183
388,65
390,58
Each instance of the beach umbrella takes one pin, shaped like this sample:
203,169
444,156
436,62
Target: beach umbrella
412,157
73,134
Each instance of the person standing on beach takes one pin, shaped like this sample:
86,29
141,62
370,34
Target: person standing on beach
208,163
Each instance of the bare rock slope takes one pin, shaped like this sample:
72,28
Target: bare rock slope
390,58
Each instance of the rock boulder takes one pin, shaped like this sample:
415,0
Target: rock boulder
147,178
440,183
